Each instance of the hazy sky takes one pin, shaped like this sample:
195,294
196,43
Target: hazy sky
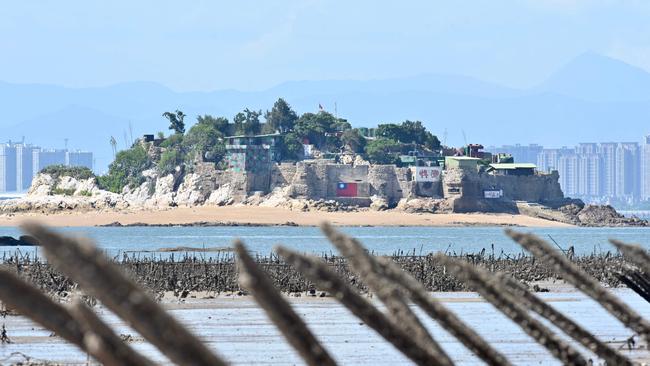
251,45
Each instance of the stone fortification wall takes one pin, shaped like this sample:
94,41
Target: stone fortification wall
532,188
388,182
335,173
282,175
465,190
319,180
308,181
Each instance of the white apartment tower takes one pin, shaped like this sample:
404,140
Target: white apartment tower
607,151
628,166
645,167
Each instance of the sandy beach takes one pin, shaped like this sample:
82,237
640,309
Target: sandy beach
274,216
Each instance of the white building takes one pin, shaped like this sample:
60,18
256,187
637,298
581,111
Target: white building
568,170
645,175
7,167
45,157
607,152
24,165
628,170
79,158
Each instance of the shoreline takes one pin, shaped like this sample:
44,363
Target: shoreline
270,216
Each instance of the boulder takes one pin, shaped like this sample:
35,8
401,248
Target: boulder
378,203
606,215
42,185
221,196
13,242
191,192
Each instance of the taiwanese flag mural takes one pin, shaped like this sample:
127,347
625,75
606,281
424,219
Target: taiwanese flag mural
346,189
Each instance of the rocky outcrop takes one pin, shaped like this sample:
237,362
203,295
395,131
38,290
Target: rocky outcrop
24,240
597,215
424,205
310,186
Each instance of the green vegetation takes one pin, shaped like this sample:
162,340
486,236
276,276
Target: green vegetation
382,151
248,122
281,118
176,123
169,160
76,172
126,169
63,191
291,146
409,132
85,193
205,141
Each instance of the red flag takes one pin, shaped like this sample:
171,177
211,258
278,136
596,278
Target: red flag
320,106
346,189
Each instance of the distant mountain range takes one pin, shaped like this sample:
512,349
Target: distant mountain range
592,98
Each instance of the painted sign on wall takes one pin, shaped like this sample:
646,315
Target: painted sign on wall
346,189
426,173
495,193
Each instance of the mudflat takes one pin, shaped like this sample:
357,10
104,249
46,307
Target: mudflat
255,215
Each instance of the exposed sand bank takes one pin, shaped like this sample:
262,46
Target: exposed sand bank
274,216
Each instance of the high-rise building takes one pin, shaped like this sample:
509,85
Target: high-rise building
568,170
628,170
24,165
79,158
645,175
7,167
587,148
589,175
607,152
520,153
594,171
19,163
548,159
46,157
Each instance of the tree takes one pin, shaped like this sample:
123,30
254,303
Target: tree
281,117
391,131
220,124
292,148
382,151
239,120
248,122
409,132
314,126
169,160
113,143
252,124
126,169
176,123
353,140
205,140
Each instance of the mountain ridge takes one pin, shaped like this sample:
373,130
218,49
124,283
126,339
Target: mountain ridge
576,101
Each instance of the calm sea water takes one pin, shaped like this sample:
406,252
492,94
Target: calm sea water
381,240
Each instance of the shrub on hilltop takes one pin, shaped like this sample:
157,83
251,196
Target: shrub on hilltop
126,169
76,172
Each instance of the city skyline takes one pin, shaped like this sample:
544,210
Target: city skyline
21,162
593,171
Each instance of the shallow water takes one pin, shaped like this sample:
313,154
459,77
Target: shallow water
239,331
381,240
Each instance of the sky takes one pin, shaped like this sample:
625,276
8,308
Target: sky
253,45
